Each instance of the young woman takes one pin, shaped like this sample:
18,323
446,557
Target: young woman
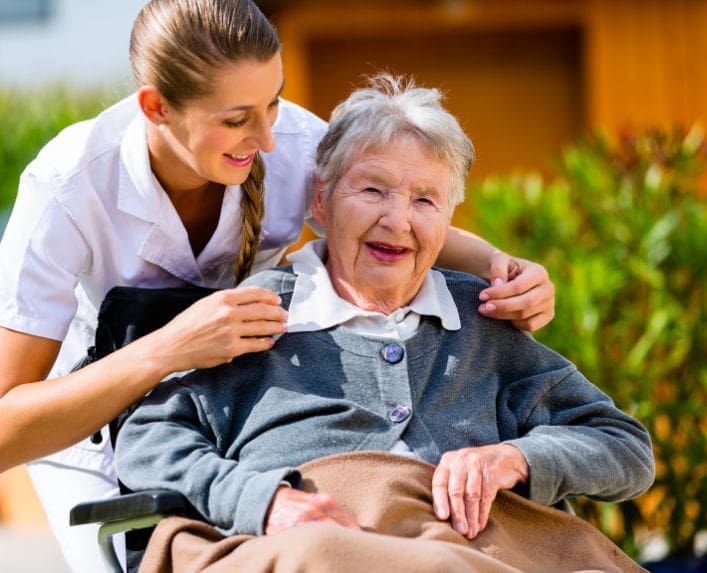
167,188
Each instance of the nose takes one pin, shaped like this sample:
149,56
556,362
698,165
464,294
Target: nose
263,135
266,139
396,214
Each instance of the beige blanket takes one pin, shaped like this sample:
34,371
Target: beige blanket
390,497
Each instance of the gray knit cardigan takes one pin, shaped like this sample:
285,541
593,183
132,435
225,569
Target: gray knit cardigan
227,437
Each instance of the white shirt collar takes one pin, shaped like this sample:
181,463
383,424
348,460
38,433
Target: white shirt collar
316,305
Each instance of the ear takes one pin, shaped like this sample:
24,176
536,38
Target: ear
153,105
319,203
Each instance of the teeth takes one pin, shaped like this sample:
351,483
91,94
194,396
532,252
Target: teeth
392,249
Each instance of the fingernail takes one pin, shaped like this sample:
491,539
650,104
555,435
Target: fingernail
489,307
498,281
460,527
483,296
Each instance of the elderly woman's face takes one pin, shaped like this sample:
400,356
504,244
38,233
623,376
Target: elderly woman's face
386,222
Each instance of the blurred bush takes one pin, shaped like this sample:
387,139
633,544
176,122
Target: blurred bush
31,118
623,232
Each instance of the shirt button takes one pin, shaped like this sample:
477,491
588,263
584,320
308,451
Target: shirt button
399,413
389,325
392,353
399,316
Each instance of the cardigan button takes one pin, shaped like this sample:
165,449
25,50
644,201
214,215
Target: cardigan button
399,413
392,353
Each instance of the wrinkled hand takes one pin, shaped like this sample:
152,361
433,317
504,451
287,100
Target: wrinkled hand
219,327
292,507
521,292
466,482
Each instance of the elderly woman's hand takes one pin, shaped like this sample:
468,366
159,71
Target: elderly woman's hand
466,482
521,292
292,507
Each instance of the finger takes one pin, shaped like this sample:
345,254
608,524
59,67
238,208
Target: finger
258,311
342,517
536,300
261,328
457,502
472,498
440,500
485,503
250,345
526,276
536,322
330,508
498,273
250,294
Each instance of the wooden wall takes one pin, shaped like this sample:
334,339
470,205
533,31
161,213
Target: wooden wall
524,76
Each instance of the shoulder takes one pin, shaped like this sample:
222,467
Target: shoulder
293,118
77,146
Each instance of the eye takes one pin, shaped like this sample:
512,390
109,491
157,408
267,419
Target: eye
425,201
372,190
235,122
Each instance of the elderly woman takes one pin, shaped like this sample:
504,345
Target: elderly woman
384,354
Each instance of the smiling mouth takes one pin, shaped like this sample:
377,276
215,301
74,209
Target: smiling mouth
238,160
386,252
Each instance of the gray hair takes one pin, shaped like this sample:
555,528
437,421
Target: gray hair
391,107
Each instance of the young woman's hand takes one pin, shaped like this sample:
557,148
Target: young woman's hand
521,291
219,327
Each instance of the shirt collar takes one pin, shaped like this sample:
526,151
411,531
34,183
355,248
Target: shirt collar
316,305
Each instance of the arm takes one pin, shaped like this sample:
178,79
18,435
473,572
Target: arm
171,441
40,418
521,290
577,442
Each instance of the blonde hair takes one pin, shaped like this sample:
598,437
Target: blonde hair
178,46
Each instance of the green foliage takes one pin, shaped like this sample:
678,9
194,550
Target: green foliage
623,232
31,118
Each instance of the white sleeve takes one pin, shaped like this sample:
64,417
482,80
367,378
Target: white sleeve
42,253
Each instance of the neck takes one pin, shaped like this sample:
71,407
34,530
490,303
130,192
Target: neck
176,178
380,300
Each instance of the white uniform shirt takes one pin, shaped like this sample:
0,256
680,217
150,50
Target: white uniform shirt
90,215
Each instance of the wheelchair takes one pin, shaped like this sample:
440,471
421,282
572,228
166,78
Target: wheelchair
126,314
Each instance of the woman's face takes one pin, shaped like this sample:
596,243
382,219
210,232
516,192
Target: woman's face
386,221
215,137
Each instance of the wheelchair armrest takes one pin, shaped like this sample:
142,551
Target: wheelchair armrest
121,514
129,506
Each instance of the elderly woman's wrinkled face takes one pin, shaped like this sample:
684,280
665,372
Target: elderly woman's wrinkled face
386,221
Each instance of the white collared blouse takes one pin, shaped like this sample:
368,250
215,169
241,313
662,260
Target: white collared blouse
90,215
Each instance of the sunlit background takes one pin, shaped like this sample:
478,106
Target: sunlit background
587,117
